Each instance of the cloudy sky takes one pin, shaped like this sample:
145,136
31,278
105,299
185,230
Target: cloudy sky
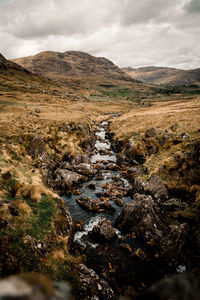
128,32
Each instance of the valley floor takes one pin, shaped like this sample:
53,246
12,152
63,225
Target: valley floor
38,129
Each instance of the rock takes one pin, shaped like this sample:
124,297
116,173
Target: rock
119,201
172,244
95,204
127,248
143,217
81,159
103,232
184,287
139,253
37,147
152,132
138,186
92,286
173,204
113,167
37,110
66,178
156,188
84,169
30,286
89,203
92,186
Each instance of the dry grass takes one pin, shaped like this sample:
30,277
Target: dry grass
161,115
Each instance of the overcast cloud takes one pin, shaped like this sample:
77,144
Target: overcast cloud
128,32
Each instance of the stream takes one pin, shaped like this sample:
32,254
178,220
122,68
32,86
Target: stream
90,218
112,259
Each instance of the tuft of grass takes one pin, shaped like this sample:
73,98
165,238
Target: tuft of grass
41,222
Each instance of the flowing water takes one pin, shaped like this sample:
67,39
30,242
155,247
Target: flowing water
127,271
91,218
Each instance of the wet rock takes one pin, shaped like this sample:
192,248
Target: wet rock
152,132
99,166
127,248
89,203
156,188
66,178
92,186
119,201
81,159
37,147
139,253
113,167
122,160
104,152
95,204
84,169
143,217
103,232
94,287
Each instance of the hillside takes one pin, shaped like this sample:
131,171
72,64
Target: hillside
74,64
166,76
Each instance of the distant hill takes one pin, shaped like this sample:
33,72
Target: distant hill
165,76
74,64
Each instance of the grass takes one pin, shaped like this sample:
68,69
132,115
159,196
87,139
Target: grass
10,103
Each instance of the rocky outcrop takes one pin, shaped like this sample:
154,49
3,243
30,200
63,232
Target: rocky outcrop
103,232
143,217
154,187
66,178
37,147
95,204
146,220
93,286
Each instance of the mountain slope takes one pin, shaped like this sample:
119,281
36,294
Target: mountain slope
163,75
7,66
74,64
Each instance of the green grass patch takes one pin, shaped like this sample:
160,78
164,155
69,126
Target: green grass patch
10,103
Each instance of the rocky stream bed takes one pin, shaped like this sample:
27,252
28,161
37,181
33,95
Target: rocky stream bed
122,229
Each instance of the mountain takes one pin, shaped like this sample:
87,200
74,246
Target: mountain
74,64
164,75
7,66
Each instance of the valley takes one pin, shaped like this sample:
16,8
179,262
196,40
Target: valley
99,176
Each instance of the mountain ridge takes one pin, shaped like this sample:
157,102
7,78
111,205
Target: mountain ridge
74,64
164,75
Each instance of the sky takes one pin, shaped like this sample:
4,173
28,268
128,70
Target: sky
129,32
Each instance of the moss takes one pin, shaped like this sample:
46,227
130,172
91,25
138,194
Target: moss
41,222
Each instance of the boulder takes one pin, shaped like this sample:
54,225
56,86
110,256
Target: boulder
92,286
156,188
84,169
92,186
66,178
37,147
143,217
103,232
95,204
152,132
81,159
89,203
138,186
171,245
